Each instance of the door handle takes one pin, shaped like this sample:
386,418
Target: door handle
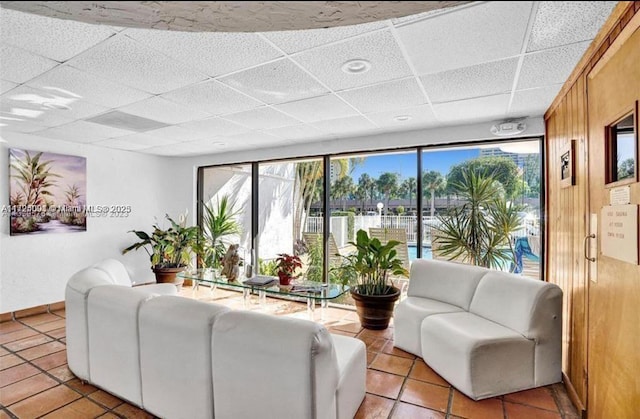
584,246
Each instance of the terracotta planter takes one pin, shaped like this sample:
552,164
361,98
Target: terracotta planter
284,278
375,311
168,275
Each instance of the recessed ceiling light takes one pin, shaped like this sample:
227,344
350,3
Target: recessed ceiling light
402,118
357,66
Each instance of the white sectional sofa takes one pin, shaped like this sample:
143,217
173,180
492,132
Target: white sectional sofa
486,332
181,358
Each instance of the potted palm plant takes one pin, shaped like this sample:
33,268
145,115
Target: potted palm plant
371,265
170,250
218,223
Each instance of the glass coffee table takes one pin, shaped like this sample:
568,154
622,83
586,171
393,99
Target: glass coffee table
311,291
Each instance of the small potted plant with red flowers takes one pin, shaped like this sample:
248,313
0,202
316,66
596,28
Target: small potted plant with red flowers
286,266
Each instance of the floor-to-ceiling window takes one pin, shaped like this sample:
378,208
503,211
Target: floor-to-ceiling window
225,213
290,195
384,193
482,205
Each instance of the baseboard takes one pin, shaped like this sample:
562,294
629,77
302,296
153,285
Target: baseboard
573,396
45,308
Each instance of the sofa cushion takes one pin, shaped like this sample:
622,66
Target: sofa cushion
175,356
352,368
477,356
114,350
272,367
449,282
516,302
76,294
116,271
407,319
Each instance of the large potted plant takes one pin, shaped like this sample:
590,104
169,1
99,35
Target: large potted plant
371,265
170,250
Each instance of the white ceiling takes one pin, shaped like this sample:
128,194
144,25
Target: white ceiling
220,92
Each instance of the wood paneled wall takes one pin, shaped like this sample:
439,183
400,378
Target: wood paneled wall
567,209
567,226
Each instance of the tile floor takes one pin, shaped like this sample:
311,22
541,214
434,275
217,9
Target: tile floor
35,381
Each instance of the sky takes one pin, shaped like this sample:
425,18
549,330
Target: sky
405,164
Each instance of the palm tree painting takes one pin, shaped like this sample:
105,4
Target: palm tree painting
47,192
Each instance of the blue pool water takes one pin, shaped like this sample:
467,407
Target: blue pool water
413,251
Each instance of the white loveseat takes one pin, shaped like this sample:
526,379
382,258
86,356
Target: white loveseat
181,358
486,332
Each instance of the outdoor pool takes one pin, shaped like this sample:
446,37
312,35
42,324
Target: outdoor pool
413,251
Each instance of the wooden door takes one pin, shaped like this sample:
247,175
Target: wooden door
613,91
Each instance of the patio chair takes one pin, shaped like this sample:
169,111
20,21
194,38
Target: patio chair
398,234
315,239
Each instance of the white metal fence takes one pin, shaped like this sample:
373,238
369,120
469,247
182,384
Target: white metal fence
339,227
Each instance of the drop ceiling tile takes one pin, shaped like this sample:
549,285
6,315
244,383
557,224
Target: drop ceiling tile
213,97
18,65
163,110
83,132
123,60
25,126
297,132
38,117
485,32
5,86
254,138
212,127
385,96
349,125
567,22
533,102
55,106
177,133
213,53
380,49
262,118
146,140
181,149
295,41
120,144
468,82
277,82
317,108
473,110
419,116
550,66
89,87
58,39
399,21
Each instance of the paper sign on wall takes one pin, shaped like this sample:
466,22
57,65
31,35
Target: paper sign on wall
619,232
620,196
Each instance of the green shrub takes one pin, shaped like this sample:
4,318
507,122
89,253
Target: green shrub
268,268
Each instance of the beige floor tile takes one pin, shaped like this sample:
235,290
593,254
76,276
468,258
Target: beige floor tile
25,388
43,403
426,395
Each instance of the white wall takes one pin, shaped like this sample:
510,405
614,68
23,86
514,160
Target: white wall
34,269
